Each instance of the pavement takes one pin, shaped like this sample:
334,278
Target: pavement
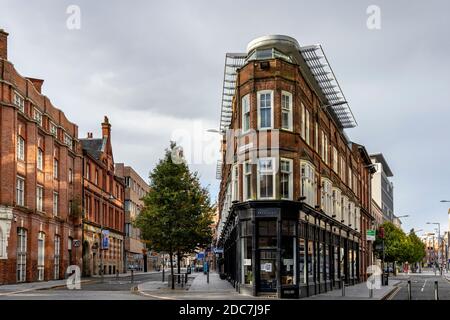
358,291
198,288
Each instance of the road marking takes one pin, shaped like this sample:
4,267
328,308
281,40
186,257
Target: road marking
394,293
423,287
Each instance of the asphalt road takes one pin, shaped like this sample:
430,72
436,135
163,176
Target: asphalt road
109,289
422,287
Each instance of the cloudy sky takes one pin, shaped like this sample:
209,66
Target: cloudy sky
156,69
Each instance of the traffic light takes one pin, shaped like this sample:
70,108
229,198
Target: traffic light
381,233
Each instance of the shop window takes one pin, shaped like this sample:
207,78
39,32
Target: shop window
288,253
302,266
246,249
267,234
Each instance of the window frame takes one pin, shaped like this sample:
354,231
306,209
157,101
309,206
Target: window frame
291,178
289,110
245,101
259,94
20,192
55,204
39,198
265,172
20,150
246,185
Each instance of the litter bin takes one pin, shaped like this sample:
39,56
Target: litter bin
385,279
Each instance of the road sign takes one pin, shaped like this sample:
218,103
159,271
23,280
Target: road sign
76,243
370,235
218,250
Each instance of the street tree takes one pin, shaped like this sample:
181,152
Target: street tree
177,213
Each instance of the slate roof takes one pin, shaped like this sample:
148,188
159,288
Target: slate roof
94,147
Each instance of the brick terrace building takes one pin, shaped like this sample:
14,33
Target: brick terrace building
40,173
103,194
293,216
135,251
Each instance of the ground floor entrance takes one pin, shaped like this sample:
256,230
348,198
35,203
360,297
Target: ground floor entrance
289,250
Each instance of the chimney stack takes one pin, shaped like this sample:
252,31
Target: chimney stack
3,44
106,127
37,83
89,135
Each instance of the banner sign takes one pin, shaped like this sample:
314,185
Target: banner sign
105,240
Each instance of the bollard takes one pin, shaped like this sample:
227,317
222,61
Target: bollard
163,275
343,286
436,291
207,277
132,275
409,289
371,293
117,275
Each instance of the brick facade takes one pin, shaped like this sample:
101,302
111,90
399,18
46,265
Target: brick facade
103,194
39,148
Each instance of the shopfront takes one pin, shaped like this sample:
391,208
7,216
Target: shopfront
288,249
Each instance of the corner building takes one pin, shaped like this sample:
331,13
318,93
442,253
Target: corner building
295,197
40,174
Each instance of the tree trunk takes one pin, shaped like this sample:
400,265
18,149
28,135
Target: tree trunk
171,269
178,264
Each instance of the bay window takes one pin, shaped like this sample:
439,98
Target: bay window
266,178
308,183
286,182
247,181
337,204
326,196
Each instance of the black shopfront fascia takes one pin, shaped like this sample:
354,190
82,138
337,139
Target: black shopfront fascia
323,241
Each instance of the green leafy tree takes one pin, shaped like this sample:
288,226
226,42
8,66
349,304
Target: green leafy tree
394,242
416,248
177,213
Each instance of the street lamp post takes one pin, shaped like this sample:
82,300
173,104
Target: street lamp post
447,244
439,238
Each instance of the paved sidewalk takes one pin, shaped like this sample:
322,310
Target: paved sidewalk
199,289
357,292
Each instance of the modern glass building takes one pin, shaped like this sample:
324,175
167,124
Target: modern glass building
295,193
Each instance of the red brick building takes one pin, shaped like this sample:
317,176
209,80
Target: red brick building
40,174
295,194
103,196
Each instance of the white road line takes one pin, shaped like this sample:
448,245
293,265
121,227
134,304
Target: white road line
423,285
